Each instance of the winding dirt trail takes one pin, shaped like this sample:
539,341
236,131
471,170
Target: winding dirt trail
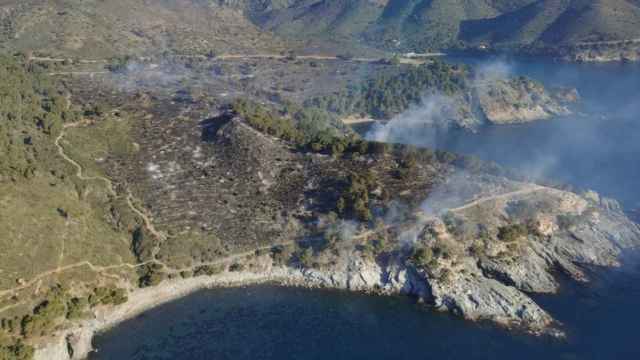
79,172
98,269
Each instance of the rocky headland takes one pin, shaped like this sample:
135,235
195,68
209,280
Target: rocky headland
521,100
462,237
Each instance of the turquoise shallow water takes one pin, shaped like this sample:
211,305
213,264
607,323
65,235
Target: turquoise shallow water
598,151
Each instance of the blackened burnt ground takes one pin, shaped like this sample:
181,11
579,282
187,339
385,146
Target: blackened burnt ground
215,186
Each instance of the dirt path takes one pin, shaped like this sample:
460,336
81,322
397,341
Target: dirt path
79,172
416,60
148,224
529,189
50,59
66,73
230,258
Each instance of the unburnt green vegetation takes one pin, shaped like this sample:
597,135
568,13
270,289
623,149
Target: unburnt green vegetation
52,219
392,92
512,233
32,113
47,210
15,351
354,200
267,120
48,315
102,29
423,25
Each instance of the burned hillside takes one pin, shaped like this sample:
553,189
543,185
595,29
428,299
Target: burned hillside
214,185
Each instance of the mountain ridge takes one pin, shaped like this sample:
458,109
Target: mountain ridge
117,27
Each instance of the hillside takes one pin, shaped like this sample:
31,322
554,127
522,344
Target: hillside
422,25
96,29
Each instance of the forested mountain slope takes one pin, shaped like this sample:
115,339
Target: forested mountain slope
103,28
444,23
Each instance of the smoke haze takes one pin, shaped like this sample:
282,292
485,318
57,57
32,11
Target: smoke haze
595,149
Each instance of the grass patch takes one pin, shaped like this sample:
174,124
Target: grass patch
47,226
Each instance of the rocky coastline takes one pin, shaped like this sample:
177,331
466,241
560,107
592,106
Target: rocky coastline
75,342
478,288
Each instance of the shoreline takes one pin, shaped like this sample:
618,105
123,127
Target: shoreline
75,342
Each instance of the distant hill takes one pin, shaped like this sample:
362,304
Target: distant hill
420,24
98,28
103,28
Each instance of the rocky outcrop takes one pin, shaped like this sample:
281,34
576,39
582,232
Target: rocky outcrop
521,100
476,297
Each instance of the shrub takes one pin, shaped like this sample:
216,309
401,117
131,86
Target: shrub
512,233
44,317
392,92
280,255
76,308
441,252
378,148
31,111
361,210
305,257
152,275
421,257
409,160
454,224
341,205
446,156
119,64
16,351
235,267
108,296
208,270
354,199
265,120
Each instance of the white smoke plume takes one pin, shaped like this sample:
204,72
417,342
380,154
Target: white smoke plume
417,125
